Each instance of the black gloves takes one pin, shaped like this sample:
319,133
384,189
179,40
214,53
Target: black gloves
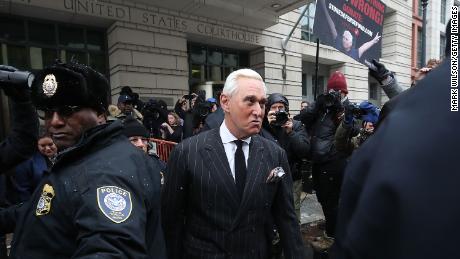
17,90
378,71
330,101
348,118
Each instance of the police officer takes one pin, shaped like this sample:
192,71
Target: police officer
100,198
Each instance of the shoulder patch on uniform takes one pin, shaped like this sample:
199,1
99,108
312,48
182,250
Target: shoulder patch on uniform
114,202
44,203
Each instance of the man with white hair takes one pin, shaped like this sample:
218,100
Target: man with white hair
224,186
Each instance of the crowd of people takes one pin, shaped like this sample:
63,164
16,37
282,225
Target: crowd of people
86,185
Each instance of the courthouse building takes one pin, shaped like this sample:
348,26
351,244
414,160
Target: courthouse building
165,49
437,16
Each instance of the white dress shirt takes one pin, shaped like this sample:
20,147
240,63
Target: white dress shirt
230,146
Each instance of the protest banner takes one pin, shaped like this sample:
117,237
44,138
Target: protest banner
353,27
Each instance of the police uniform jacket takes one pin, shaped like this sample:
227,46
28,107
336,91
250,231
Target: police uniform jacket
100,199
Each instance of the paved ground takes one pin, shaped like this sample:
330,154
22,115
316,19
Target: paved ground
311,212
310,209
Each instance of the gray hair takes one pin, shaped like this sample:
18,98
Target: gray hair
231,81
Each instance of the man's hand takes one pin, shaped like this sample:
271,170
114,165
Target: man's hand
348,118
18,93
271,117
378,71
376,38
288,126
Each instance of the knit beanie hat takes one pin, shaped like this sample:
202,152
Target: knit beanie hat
132,127
337,82
372,113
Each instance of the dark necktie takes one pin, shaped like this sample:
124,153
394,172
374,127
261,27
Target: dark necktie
240,168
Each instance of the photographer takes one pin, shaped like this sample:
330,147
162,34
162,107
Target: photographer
194,119
291,136
19,145
322,118
172,130
155,113
184,104
365,112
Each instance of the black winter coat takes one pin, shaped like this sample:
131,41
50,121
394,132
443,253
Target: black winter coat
296,144
21,143
322,123
400,192
100,199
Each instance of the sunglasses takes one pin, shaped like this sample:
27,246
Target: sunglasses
63,111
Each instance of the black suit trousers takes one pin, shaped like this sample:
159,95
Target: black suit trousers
327,181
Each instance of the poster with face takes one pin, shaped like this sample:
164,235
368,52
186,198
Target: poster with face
353,27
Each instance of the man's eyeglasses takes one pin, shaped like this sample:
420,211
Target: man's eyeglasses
63,111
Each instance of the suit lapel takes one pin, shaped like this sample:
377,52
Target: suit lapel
254,175
216,161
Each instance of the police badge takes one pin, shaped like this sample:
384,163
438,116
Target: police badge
49,85
44,203
114,202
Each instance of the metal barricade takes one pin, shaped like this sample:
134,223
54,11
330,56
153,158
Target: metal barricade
162,148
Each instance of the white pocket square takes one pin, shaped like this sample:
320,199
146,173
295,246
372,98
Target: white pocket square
275,175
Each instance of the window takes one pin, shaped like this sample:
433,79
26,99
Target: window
443,11
420,8
419,47
304,84
41,57
12,29
42,33
35,44
16,56
95,40
306,24
71,37
209,63
442,46
320,89
373,91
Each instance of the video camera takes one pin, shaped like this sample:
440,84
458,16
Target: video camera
356,110
201,107
10,76
282,117
151,109
331,98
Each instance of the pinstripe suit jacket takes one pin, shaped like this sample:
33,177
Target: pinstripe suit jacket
201,214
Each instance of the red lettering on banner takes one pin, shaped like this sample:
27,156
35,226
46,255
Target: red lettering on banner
357,16
378,5
367,9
